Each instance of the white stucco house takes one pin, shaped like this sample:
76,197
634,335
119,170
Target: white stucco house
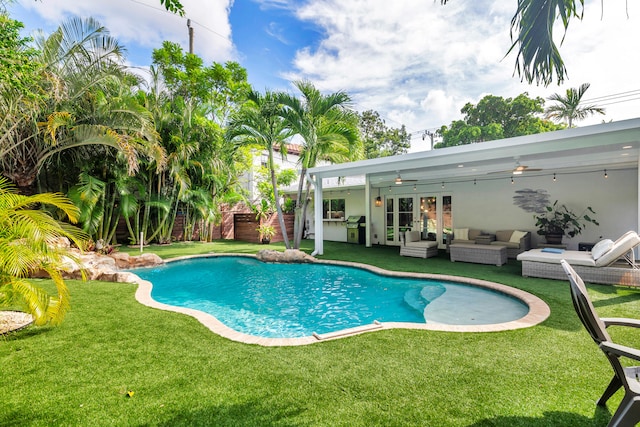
259,159
492,186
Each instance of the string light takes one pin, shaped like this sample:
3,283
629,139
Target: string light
475,180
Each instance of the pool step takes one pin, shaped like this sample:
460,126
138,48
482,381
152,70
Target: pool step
413,298
431,293
419,298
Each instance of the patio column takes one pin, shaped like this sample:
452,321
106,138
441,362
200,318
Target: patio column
367,210
318,223
636,250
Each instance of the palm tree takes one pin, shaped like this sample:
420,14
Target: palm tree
28,237
538,56
260,124
329,130
568,107
89,108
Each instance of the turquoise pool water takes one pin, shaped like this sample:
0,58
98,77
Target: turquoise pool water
296,300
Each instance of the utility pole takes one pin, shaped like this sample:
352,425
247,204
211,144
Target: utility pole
190,35
430,134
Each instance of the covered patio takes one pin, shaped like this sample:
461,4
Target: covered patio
491,185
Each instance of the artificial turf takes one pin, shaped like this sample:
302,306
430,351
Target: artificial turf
81,372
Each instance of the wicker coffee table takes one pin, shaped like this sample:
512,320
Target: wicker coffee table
479,254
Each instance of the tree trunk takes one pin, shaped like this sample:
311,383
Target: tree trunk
274,183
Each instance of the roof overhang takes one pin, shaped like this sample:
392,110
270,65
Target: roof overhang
611,146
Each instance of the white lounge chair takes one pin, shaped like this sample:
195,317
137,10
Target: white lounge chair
608,262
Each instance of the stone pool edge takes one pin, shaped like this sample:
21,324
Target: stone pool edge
538,310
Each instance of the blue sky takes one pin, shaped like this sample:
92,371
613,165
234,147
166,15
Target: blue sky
415,62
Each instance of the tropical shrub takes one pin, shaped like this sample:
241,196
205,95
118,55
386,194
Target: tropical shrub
30,241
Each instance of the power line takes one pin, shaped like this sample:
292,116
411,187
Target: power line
193,21
614,96
619,102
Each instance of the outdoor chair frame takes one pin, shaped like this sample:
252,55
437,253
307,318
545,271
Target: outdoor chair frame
628,413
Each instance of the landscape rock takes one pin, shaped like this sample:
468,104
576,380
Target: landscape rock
126,261
288,256
96,266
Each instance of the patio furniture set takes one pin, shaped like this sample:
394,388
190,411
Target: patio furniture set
607,262
470,245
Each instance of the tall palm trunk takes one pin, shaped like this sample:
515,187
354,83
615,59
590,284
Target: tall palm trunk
274,183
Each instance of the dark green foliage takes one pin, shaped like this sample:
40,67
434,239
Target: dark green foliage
379,140
560,220
19,68
495,117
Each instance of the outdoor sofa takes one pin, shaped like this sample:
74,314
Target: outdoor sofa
412,245
608,262
515,241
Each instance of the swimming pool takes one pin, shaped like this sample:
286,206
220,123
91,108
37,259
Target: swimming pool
293,301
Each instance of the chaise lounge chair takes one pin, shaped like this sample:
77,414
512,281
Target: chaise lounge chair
628,413
601,265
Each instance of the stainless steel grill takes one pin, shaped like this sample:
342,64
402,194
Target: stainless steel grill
356,229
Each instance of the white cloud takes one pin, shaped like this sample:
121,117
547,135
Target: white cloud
418,63
147,23
439,106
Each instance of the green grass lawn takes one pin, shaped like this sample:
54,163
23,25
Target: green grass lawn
77,374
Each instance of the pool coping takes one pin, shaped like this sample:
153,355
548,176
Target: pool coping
538,310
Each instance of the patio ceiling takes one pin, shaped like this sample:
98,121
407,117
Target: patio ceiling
608,146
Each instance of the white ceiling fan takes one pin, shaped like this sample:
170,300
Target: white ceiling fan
519,169
400,181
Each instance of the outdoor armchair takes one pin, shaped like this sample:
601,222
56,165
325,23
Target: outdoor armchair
628,413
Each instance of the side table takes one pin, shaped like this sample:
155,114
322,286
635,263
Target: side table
584,246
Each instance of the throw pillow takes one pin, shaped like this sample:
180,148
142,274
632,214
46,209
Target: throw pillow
516,236
413,236
461,233
601,248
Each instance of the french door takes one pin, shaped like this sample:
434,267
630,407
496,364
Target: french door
399,217
430,214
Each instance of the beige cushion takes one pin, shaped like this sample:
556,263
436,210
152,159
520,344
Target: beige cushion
461,233
572,257
412,236
601,248
503,235
516,236
423,244
620,247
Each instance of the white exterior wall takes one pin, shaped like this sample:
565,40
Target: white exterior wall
489,205
336,231
249,178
